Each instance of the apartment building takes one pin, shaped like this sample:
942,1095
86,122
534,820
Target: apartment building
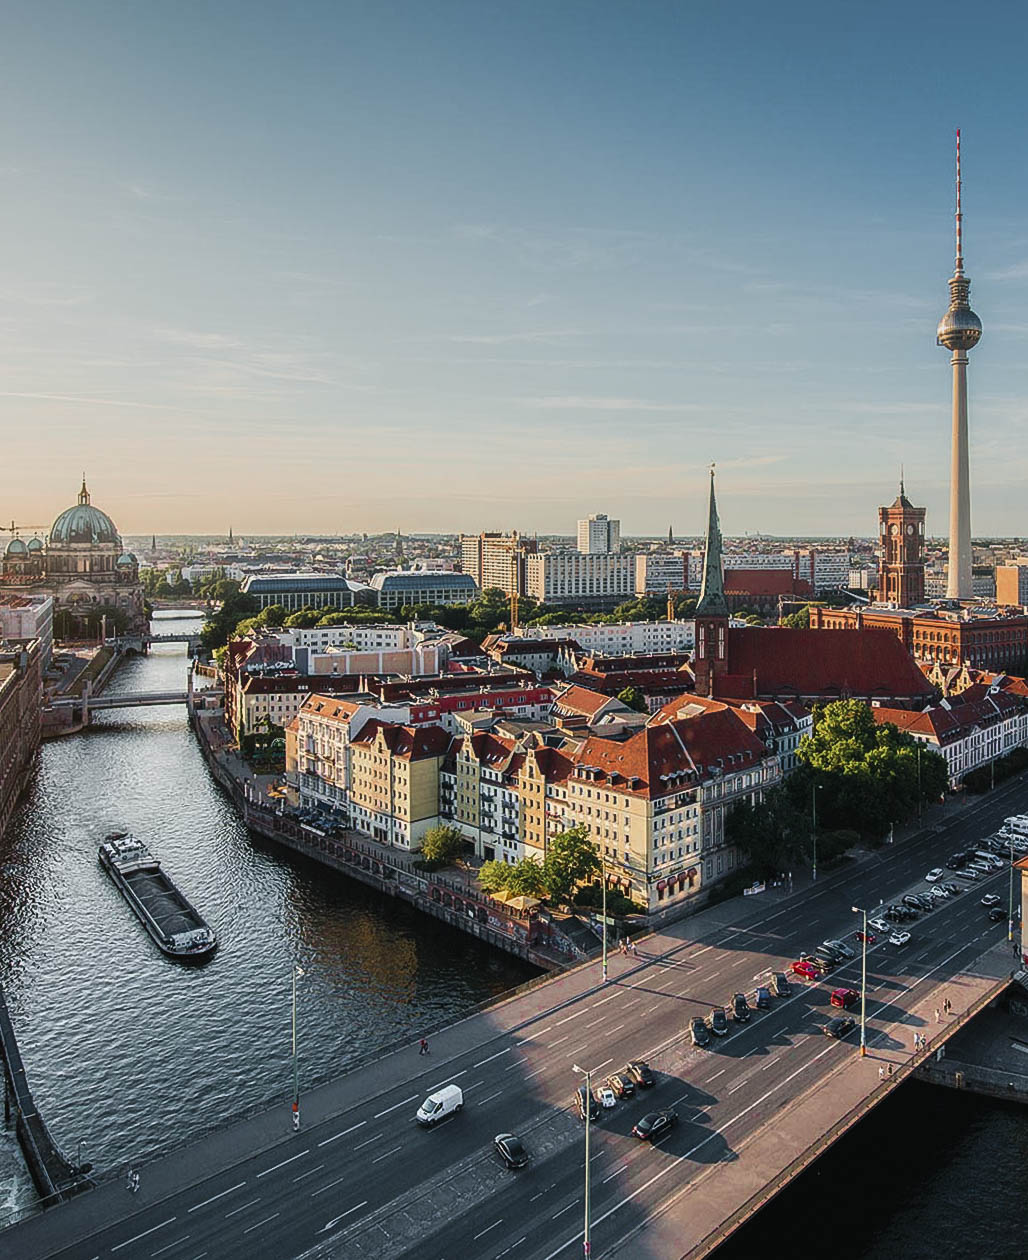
29,617
21,704
623,638
1012,584
657,571
599,535
560,577
400,588
496,561
394,781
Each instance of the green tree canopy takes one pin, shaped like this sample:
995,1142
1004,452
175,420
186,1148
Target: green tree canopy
493,876
442,844
634,698
571,859
526,879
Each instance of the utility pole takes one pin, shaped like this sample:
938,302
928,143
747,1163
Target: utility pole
863,983
813,830
603,883
586,1243
297,972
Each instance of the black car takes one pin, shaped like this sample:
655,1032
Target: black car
587,1104
655,1125
832,951
511,1150
698,1032
997,914
838,1028
955,862
740,1008
639,1071
780,986
825,961
952,889
717,1021
913,902
762,998
621,1084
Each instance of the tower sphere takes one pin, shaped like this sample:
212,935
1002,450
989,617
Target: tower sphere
960,328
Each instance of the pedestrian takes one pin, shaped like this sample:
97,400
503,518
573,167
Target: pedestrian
881,1072
635,950
938,1016
423,1046
890,1069
129,1179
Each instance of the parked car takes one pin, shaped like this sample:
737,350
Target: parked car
838,1028
586,1103
699,1032
639,1071
953,889
740,1008
840,947
997,914
717,1021
806,970
866,938
990,899
780,986
844,998
623,1085
511,1150
914,903
899,938
971,876
934,874
940,894
925,901
825,961
607,1097
879,925
955,862
830,951
655,1124
762,998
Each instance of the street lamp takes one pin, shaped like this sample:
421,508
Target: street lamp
587,1073
603,883
863,983
297,973
1010,915
814,789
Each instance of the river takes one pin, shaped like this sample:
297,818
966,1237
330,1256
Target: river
130,1052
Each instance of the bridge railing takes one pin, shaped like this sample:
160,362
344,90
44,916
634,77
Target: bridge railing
903,1071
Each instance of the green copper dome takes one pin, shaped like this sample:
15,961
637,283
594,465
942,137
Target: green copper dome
83,523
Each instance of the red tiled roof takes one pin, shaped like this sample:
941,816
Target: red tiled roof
581,700
821,663
412,743
765,582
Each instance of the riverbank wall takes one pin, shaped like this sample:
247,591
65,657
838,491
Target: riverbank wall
534,939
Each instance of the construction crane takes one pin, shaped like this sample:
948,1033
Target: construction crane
670,603
14,530
514,592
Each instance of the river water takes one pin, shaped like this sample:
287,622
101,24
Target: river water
128,1051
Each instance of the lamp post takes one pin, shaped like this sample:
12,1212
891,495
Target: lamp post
1010,915
603,883
587,1073
814,789
863,983
919,797
297,973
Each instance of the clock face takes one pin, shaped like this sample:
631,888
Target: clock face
910,529
893,529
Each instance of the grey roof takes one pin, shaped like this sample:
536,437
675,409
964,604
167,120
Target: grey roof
423,581
295,583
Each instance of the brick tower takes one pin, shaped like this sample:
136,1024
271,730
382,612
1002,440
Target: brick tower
710,660
901,568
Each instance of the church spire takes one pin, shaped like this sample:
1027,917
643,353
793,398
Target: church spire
83,493
670,535
712,602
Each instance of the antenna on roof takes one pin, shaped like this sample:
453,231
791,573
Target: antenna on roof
960,217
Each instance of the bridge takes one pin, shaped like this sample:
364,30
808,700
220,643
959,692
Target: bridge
55,1177
127,700
192,639
360,1179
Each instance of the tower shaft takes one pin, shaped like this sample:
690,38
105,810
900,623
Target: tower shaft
959,581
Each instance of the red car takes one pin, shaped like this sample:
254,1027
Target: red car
869,937
844,998
806,970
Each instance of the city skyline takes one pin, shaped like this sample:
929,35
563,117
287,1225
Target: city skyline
331,271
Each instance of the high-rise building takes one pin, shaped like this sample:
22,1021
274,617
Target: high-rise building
1012,583
569,577
901,570
598,535
960,330
496,560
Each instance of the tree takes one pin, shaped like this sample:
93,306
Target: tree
303,619
493,876
571,859
526,879
442,844
799,620
634,698
774,834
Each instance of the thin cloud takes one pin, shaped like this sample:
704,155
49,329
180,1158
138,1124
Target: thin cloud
574,402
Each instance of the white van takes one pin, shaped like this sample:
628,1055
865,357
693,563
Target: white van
444,1102
990,859
1018,824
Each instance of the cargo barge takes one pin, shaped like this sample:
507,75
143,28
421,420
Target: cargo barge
174,924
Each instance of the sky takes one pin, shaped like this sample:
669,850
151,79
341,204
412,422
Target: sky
325,267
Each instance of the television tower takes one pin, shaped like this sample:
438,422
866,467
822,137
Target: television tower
960,330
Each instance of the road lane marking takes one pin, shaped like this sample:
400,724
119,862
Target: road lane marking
568,1018
396,1106
564,1209
378,1158
368,1142
236,1211
483,1101
315,1193
603,1000
529,1075
717,1074
602,1065
352,1129
774,1059
291,1159
598,1020
560,1041
196,1206
342,1215
168,1246
310,1173
433,1088
616,1173
498,1055
487,1229
153,1230
250,1228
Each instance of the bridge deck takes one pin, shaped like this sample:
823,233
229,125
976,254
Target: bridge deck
753,1107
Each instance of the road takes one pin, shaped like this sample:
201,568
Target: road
371,1183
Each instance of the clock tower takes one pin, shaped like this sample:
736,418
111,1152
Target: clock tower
901,568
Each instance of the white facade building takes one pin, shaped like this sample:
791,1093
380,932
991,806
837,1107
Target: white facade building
558,576
598,535
29,617
655,571
624,638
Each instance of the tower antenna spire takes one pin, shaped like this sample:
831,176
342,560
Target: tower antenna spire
901,480
960,218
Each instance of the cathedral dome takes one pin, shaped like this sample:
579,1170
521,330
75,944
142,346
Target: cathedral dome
16,548
127,560
83,523
35,544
